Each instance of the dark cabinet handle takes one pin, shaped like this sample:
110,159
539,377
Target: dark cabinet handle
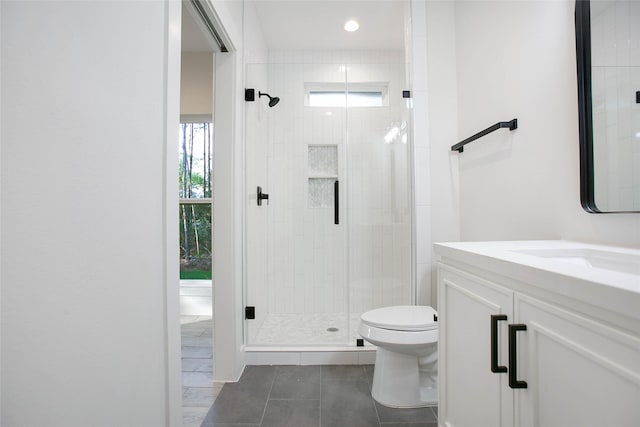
262,196
336,203
495,318
513,357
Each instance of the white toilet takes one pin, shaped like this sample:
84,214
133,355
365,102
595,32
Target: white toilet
406,368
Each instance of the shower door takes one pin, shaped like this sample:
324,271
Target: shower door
333,239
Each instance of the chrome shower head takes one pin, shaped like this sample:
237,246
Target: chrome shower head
273,100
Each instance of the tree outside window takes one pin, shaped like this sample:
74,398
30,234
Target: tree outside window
195,192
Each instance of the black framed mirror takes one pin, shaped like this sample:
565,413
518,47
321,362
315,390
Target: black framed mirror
608,66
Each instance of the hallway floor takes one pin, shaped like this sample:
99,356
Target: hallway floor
198,391
301,396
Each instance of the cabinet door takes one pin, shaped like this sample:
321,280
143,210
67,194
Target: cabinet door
470,394
579,372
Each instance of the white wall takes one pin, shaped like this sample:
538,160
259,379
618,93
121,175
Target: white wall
196,84
84,243
517,59
435,130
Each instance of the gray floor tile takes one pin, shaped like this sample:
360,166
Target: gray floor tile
192,332
201,397
197,365
236,405
292,413
200,324
192,416
296,382
196,346
197,379
258,376
190,352
405,415
196,332
244,401
369,369
264,397
344,373
197,341
347,404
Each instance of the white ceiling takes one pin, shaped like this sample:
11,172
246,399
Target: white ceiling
319,24
193,38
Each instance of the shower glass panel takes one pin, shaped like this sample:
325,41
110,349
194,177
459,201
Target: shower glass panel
334,237
379,187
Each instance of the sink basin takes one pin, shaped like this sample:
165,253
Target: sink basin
606,260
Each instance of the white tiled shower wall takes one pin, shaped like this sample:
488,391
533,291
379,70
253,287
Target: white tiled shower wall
615,36
297,263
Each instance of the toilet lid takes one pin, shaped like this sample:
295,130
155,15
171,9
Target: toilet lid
402,318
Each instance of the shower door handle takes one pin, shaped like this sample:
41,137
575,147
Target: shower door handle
336,203
262,196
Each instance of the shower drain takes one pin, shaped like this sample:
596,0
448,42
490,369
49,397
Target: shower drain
332,329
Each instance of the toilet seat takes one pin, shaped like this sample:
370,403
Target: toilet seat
409,318
405,373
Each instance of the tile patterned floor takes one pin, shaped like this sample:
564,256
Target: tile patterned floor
305,396
198,391
308,329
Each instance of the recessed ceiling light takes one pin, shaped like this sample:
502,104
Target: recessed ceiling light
351,26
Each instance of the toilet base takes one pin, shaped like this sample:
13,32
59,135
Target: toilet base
403,380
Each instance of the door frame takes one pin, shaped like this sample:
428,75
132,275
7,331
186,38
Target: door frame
228,359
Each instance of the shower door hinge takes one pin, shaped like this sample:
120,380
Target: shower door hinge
249,312
406,94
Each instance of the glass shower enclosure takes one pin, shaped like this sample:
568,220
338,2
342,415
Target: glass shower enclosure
328,200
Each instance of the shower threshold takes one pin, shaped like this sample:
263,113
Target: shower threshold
307,330
301,339
314,349
316,355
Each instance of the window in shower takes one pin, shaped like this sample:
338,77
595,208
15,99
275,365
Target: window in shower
195,192
337,95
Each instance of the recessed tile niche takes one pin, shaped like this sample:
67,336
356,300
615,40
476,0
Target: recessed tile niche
323,173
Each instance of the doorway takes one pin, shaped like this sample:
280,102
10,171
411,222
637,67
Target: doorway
195,188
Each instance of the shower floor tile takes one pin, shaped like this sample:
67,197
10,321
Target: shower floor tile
308,329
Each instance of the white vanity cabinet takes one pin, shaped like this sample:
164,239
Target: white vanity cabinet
578,372
470,394
572,362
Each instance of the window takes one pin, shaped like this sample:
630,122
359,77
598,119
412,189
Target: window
195,160
195,191
346,95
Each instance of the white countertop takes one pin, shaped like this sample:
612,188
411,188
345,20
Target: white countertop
601,275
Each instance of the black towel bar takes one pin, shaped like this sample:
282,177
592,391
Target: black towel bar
513,124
